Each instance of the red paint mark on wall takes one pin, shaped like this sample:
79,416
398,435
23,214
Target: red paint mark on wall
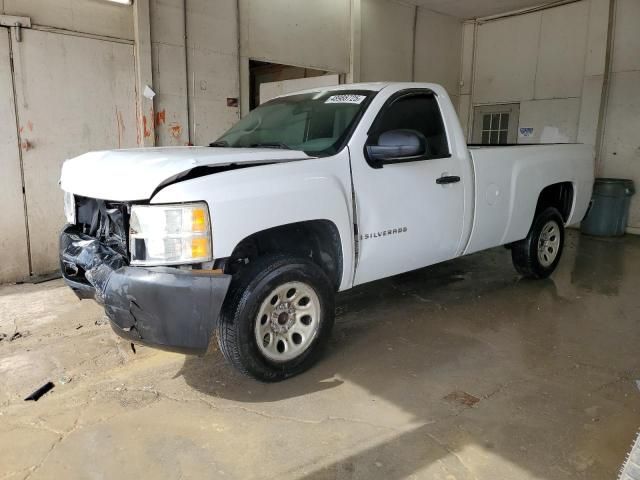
145,127
26,145
161,117
30,125
175,129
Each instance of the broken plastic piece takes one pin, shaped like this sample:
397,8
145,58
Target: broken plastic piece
35,396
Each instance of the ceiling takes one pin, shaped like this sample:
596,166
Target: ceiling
475,8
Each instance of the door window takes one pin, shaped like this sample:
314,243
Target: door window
414,111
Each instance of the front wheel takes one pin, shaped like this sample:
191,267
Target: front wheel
277,317
537,256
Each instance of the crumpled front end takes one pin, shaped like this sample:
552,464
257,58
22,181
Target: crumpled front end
162,307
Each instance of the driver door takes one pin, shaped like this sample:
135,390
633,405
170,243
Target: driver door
410,211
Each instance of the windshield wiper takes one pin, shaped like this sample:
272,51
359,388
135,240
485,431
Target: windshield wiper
219,143
283,146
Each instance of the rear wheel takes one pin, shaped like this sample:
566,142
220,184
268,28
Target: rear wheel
277,317
537,256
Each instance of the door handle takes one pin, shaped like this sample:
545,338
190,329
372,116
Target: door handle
448,179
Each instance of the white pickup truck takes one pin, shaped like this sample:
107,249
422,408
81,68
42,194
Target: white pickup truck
309,194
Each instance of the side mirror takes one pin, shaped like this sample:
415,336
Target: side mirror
398,146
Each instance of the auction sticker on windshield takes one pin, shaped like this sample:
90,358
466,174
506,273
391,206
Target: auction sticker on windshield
357,99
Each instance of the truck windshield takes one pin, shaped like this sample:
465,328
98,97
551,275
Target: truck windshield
318,123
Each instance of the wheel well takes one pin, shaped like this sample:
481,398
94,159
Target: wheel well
558,195
318,240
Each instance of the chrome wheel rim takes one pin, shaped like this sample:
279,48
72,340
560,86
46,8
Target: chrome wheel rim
287,321
549,243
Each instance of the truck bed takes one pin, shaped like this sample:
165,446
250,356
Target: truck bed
501,171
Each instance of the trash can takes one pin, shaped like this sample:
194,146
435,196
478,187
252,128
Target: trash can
609,210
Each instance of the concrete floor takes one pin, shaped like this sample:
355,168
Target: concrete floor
460,371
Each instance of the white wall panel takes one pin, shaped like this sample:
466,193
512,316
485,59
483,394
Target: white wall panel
553,121
87,16
506,59
213,69
466,74
387,41
590,109
621,155
621,145
597,37
292,32
626,54
214,78
438,50
561,56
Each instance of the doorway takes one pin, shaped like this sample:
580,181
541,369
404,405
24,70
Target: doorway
268,80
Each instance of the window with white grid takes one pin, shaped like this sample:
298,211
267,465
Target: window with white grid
495,128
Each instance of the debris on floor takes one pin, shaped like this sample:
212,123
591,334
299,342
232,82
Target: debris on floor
65,379
103,320
35,396
462,398
3,336
18,335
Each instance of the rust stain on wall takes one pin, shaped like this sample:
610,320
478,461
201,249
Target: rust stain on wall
161,117
175,129
145,126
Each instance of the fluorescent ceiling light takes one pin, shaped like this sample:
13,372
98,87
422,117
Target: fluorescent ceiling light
122,2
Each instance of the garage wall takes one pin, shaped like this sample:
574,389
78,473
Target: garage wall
387,41
212,39
438,50
313,35
551,62
620,154
87,16
387,45
305,34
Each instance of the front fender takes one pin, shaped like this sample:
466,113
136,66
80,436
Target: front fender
246,201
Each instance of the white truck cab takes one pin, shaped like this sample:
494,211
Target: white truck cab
309,194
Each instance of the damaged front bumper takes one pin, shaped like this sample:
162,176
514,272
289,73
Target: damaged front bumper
161,307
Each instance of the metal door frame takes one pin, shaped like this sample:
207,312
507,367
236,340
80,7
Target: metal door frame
16,31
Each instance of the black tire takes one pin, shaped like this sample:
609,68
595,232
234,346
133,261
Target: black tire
524,253
251,287
631,468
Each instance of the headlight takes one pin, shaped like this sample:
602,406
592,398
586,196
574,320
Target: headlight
69,208
170,234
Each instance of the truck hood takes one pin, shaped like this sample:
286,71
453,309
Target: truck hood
135,174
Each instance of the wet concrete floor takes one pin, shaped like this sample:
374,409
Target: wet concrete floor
458,371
